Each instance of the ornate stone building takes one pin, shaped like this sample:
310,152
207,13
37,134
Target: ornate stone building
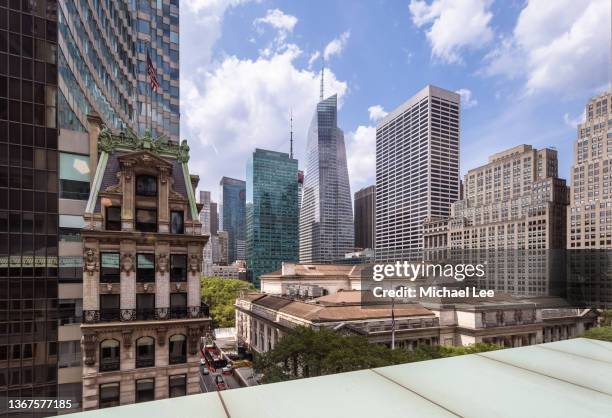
142,246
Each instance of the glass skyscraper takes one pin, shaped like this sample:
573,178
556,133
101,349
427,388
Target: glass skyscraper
232,217
272,211
157,30
64,64
326,227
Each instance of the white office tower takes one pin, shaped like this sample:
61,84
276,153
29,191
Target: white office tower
417,170
326,215
205,219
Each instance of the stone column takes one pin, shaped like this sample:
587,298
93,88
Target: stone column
127,207
91,276
194,268
163,213
127,254
162,275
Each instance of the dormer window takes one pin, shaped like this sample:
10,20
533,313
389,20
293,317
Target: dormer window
177,222
146,186
146,220
113,218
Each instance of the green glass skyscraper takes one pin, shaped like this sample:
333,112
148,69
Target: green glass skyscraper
272,211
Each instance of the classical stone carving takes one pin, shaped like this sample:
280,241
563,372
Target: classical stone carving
163,175
161,336
127,263
519,315
146,287
162,263
195,263
89,348
90,261
127,338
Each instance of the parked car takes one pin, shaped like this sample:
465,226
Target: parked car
220,382
227,369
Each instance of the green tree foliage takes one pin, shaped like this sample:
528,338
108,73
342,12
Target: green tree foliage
304,352
220,294
599,333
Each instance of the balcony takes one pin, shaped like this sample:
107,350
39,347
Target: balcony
146,314
157,314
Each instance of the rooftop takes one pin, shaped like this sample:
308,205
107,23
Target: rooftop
571,378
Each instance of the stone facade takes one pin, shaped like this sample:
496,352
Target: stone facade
142,246
589,222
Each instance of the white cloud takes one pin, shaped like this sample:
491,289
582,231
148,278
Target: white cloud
453,25
361,156
243,104
573,122
200,27
313,57
278,20
336,46
556,44
466,98
376,113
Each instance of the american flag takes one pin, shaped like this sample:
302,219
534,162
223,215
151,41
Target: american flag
152,74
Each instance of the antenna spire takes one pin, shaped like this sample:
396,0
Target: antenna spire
291,134
322,75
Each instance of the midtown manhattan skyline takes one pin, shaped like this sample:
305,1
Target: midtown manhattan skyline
245,65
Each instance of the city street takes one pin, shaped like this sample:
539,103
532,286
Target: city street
207,382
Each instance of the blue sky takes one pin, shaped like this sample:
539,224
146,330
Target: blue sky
525,70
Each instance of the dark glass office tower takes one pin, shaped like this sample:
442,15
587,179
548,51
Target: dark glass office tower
64,65
326,215
365,217
157,31
28,199
232,216
272,211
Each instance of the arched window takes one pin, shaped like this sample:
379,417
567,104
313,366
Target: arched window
145,352
109,356
146,186
177,349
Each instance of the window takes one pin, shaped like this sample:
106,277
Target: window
113,218
109,307
177,349
146,186
178,305
145,390
145,306
176,222
146,220
69,354
72,392
145,352
74,176
109,355
109,395
70,228
70,311
178,267
145,268
177,386
109,268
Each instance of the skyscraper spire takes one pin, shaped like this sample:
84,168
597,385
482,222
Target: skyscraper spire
322,75
291,134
